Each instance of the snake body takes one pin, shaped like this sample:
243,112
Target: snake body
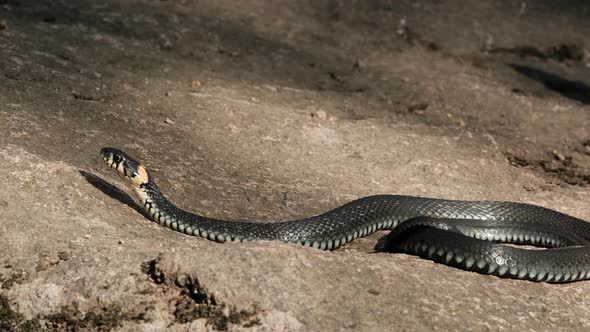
464,234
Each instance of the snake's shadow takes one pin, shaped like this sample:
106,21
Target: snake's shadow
112,191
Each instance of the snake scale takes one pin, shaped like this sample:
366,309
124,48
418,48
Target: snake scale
464,234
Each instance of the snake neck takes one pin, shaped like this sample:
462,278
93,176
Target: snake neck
154,203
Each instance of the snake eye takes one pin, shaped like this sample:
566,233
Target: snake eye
117,158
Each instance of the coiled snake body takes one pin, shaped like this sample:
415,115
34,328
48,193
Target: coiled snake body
464,234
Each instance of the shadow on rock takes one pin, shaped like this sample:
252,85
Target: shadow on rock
112,191
575,90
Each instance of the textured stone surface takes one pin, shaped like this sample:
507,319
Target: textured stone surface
273,111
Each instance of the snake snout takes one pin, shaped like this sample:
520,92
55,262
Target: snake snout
107,156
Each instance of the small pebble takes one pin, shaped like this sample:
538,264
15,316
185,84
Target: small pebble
64,255
417,107
558,155
321,115
402,28
271,88
168,121
166,44
373,291
529,188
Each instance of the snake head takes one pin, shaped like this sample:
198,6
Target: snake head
126,166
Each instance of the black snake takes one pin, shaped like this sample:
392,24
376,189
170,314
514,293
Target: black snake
465,234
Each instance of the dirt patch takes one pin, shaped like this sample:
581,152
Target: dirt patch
68,319
219,317
11,320
567,53
196,302
557,165
10,276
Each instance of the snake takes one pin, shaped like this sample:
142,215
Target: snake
488,237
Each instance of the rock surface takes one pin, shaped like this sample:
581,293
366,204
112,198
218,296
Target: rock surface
274,111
